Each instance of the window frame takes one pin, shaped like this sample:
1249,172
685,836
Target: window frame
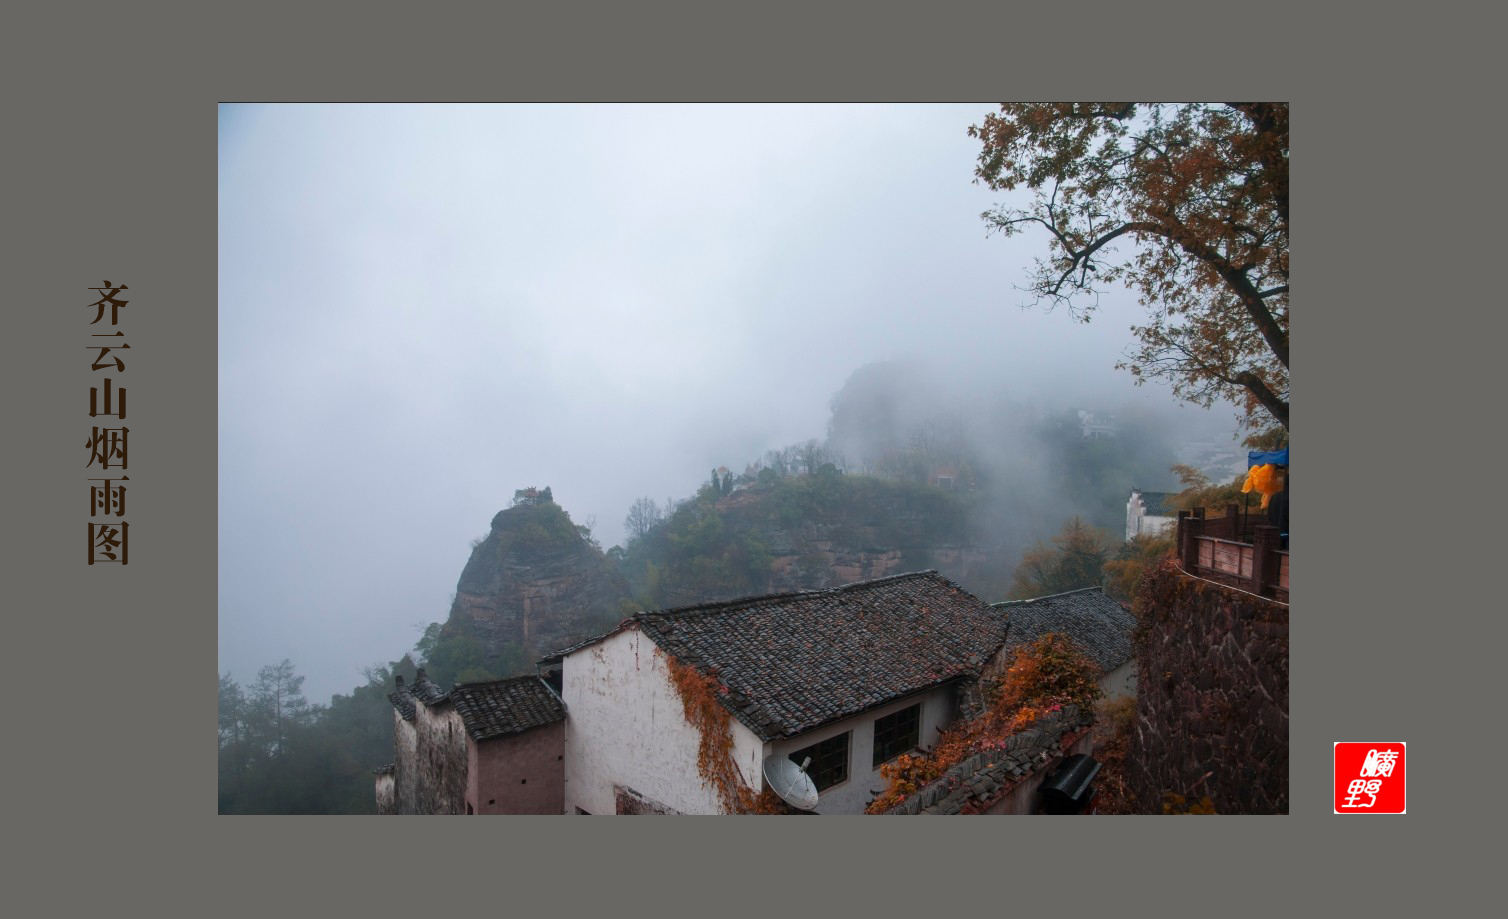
888,751
796,756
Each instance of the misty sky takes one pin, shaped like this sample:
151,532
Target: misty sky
423,308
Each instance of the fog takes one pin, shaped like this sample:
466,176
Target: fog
423,309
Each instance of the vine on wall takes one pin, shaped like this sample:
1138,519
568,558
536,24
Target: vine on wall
699,694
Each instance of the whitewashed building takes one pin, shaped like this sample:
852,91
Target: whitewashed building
1148,514
850,677
1096,425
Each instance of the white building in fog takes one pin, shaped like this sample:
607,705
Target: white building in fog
1148,513
850,678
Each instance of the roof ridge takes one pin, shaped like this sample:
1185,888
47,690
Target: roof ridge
1078,590
511,705
718,606
696,610
506,679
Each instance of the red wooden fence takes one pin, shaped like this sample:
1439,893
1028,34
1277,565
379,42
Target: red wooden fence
1234,549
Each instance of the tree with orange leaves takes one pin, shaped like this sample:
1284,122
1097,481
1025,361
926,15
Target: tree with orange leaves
1202,190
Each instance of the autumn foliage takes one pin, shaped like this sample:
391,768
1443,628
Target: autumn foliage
1177,804
1043,676
1076,560
699,694
1194,197
1116,721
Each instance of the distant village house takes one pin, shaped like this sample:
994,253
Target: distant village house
1148,513
1096,425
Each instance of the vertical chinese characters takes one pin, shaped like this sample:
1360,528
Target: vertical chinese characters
108,540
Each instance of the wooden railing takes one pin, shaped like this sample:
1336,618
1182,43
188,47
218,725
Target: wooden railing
1214,548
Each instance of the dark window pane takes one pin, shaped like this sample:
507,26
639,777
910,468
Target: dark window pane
829,764
895,734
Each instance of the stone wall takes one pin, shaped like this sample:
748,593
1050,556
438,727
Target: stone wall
1005,781
428,773
405,766
440,768
1212,701
387,802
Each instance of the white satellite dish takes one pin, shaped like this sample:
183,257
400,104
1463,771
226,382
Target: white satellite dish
790,781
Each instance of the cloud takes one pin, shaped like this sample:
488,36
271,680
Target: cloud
425,307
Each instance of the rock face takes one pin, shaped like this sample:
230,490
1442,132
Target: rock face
536,582
812,559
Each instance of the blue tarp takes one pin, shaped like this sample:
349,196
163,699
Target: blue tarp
1263,457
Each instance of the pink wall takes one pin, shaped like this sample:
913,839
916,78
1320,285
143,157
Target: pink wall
519,774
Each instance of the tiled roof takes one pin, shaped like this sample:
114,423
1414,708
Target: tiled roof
403,701
421,689
1157,503
794,662
426,691
504,707
1095,622
557,656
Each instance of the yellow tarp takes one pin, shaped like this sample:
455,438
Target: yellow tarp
1264,480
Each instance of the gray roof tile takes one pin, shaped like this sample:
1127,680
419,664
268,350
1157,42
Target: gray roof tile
425,690
794,662
504,707
1158,503
1097,623
403,701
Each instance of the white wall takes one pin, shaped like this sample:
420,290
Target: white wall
625,726
1121,681
852,796
1139,523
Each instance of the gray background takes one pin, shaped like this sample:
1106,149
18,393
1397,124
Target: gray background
111,161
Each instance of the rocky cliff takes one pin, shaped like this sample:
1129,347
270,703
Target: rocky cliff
536,583
807,533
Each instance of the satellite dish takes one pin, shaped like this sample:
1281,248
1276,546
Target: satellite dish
790,781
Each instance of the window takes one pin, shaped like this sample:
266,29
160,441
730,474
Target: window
895,734
829,764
